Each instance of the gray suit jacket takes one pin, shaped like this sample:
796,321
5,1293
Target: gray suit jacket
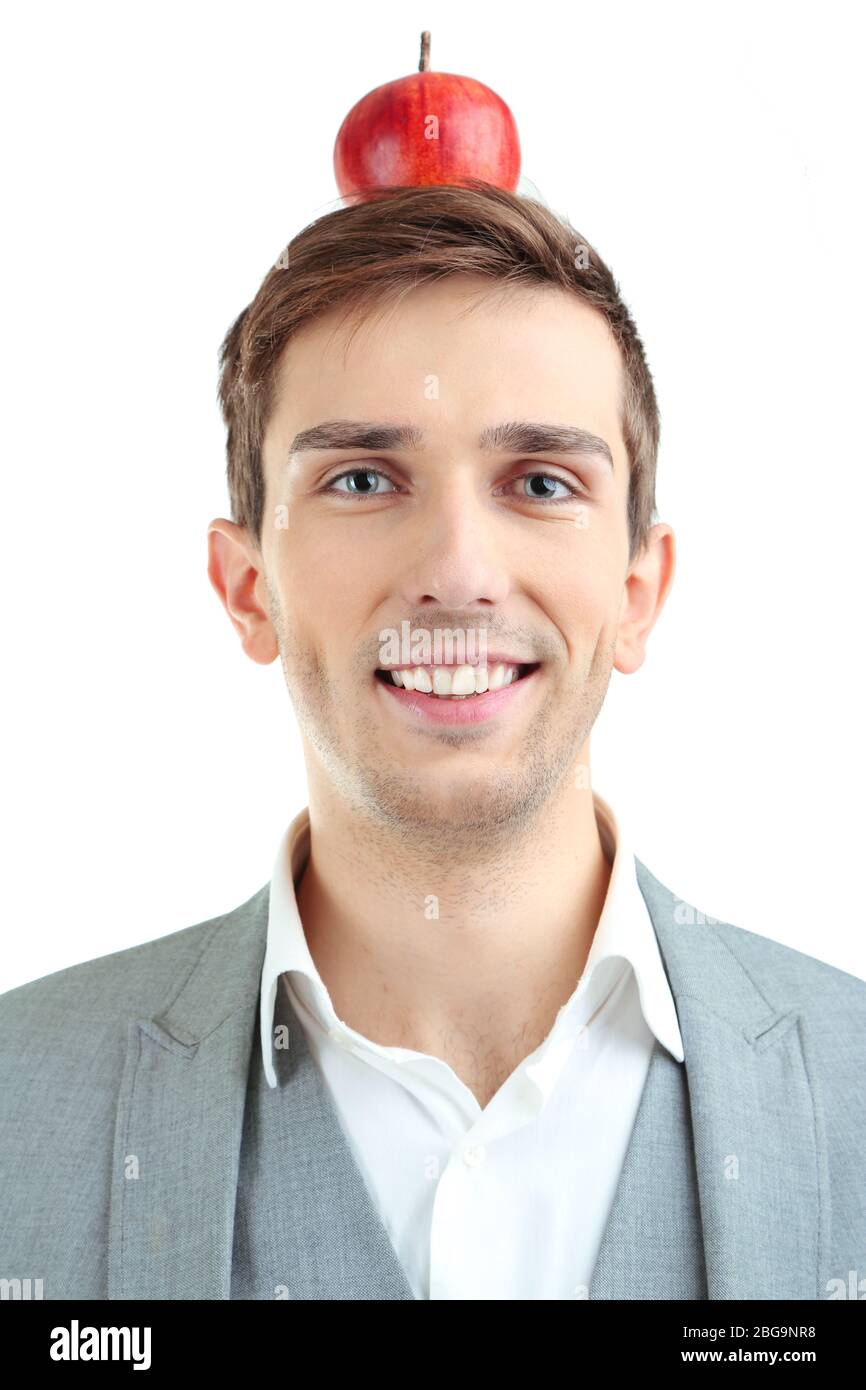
123,1091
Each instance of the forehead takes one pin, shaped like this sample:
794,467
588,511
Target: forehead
461,351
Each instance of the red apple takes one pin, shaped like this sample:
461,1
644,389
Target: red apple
432,127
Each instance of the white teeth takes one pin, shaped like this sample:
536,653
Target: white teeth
463,681
422,680
455,681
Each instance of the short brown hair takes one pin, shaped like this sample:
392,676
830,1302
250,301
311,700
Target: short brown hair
400,237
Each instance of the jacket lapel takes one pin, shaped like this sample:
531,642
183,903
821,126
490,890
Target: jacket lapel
755,1104
306,1225
652,1245
180,1120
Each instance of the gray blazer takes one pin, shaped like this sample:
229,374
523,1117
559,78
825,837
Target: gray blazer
123,1088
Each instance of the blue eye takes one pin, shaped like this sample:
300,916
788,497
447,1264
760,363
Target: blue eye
569,493
370,474
372,480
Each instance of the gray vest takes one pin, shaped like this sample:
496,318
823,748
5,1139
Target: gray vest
306,1226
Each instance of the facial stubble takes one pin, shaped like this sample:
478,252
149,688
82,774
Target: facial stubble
425,807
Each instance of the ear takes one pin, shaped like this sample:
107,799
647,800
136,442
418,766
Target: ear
236,570
646,588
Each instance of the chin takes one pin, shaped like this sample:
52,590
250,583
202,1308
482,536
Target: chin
474,805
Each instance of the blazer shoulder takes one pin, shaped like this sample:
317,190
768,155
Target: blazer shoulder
787,963
783,974
63,1049
811,979
138,978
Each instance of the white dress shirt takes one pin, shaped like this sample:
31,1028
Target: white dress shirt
509,1201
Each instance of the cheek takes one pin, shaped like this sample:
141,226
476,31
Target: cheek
581,591
600,563
325,581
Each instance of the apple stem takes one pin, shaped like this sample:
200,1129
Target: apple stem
424,65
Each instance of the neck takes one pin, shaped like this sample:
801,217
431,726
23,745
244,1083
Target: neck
468,959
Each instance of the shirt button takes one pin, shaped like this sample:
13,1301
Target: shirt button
474,1155
337,1034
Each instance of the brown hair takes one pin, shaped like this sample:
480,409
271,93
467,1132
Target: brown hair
363,254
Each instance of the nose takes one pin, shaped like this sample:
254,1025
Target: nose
454,552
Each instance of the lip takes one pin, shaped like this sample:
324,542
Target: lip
432,709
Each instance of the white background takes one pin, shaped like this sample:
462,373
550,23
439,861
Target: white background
158,159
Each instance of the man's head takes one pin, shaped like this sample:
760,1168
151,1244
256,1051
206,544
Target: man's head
488,468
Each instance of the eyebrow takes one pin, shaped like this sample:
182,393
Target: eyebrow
514,436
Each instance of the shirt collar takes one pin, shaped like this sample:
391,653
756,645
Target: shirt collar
624,932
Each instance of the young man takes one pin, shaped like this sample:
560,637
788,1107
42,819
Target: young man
463,1045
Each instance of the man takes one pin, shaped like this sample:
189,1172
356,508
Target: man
463,1045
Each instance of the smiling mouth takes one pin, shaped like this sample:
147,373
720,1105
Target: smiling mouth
456,682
